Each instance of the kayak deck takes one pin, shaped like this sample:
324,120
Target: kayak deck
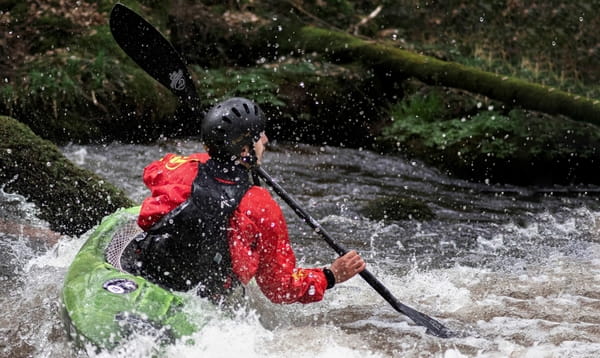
103,304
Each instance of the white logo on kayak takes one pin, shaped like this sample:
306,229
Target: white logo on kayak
120,286
177,80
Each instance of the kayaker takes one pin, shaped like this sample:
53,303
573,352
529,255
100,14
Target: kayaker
207,225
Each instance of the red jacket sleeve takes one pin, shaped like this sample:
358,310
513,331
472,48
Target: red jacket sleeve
170,182
260,248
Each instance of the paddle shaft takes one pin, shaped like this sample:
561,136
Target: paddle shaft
434,326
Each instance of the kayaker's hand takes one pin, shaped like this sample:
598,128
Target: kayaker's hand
347,266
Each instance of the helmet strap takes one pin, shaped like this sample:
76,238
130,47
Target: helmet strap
253,161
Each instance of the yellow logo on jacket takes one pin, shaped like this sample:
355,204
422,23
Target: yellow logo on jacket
298,275
177,161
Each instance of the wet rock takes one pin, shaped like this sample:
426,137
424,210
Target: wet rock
70,199
391,208
41,235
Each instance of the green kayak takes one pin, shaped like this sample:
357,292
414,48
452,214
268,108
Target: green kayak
104,304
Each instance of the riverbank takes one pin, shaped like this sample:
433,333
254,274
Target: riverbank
73,84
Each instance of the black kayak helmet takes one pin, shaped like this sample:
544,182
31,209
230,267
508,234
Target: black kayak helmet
230,125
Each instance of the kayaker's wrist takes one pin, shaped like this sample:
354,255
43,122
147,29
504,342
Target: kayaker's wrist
330,277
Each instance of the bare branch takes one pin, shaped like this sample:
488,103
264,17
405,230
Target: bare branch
366,19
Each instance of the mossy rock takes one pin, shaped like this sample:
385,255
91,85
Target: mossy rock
397,207
71,199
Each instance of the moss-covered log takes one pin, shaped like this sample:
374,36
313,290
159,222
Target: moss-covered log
70,199
342,47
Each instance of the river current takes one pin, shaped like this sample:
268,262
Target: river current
515,270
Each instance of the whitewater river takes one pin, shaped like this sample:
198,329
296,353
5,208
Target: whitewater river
515,270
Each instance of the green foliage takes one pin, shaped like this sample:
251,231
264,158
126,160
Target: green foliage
544,73
262,84
258,84
489,132
422,119
424,108
61,96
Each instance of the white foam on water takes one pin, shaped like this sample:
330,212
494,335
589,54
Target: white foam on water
15,206
244,336
61,255
78,156
552,309
31,320
438,291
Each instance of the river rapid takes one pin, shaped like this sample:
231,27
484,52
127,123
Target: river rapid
516,271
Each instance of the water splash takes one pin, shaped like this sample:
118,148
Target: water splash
519,274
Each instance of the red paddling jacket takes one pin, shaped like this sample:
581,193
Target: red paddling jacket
257,236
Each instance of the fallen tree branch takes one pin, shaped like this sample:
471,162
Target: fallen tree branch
342,47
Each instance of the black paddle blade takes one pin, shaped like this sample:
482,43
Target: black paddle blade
434,327
153,53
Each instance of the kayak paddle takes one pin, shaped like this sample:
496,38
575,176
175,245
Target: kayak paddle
155,54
